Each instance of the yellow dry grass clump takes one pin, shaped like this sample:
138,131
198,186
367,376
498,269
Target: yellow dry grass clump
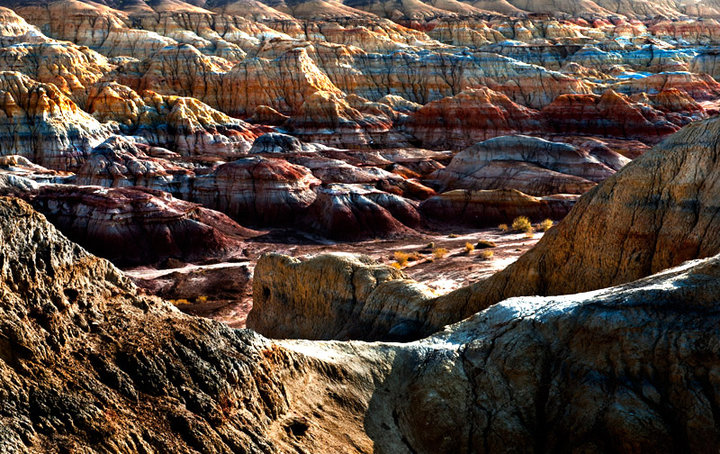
439,252
401,258
546,225
522,224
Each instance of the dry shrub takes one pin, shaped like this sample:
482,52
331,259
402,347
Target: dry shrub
402,258
546,224
439,252
522,224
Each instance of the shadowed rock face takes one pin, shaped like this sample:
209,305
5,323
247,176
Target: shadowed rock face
528,164
258,190
88,364
493,207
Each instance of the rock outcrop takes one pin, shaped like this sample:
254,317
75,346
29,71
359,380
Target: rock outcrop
197,289
531,362
41,123
134,227
356,211
86,362
655,213
470,117
184,125
564,373
289,296
128,122
121,162
485,208
612,114
258,190
534,166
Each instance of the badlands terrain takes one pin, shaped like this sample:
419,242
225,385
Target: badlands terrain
470,226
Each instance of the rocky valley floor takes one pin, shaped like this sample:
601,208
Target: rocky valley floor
223,291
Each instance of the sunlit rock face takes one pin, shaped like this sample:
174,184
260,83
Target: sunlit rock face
120,162
358,293
470,117
185,125
41,123
610,114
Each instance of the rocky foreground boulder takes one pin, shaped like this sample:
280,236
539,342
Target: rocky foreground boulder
87,364
290,296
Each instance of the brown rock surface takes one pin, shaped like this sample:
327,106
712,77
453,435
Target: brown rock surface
326,118
120,162
258,190
88,363
611,114
700,87
529,164
566,373
197,289
491,207
290,297
354,211
654,214
469,117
